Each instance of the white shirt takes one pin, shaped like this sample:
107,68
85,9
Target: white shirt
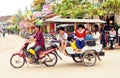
113,33
97,37
63,38
119,32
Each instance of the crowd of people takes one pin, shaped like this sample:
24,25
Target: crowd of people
78,37
82,34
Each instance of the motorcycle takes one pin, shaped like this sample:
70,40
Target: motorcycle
48,56
111,41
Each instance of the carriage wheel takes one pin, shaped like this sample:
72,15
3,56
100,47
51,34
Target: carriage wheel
89,58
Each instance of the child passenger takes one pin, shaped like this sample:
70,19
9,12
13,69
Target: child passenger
62,37
73,44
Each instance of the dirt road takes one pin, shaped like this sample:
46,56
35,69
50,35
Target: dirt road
109,67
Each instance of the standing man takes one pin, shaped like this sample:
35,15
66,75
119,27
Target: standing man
0,32
102,33
39,42
3,33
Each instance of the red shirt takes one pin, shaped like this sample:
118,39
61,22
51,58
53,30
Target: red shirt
80,34
39,39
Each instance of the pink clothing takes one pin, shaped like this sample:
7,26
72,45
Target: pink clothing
113,33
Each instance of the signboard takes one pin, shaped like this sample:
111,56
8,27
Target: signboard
46,9
37,14
22,25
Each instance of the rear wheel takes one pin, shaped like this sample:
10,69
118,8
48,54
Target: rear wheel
17,61
89,58
50,59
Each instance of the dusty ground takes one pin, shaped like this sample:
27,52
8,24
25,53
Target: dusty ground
109,67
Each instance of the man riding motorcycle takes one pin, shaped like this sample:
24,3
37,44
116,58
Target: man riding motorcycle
112,37
39,42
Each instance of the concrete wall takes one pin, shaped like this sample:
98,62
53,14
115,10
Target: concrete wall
117,18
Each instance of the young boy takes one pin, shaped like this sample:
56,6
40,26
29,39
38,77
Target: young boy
62,37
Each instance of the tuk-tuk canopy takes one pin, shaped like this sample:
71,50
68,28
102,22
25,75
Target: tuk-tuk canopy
65,20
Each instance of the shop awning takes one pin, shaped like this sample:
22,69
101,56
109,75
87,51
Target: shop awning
65,20
50,15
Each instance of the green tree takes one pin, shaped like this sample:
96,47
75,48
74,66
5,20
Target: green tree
38,7
18,17
71,8
111,6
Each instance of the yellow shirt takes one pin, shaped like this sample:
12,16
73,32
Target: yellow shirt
73,45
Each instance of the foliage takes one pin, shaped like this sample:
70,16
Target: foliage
71,8
18,17
112,6
13,28
38,7
74,8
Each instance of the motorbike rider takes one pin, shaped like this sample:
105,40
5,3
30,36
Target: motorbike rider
112,35
113,32
39,42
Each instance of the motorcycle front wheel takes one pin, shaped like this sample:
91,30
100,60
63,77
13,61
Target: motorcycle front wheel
17,61
50,59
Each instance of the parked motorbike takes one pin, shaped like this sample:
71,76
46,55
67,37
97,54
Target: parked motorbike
48,56
111,42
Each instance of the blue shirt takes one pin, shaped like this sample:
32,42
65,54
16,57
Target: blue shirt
89,37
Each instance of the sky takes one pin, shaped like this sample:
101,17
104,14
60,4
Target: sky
10,7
